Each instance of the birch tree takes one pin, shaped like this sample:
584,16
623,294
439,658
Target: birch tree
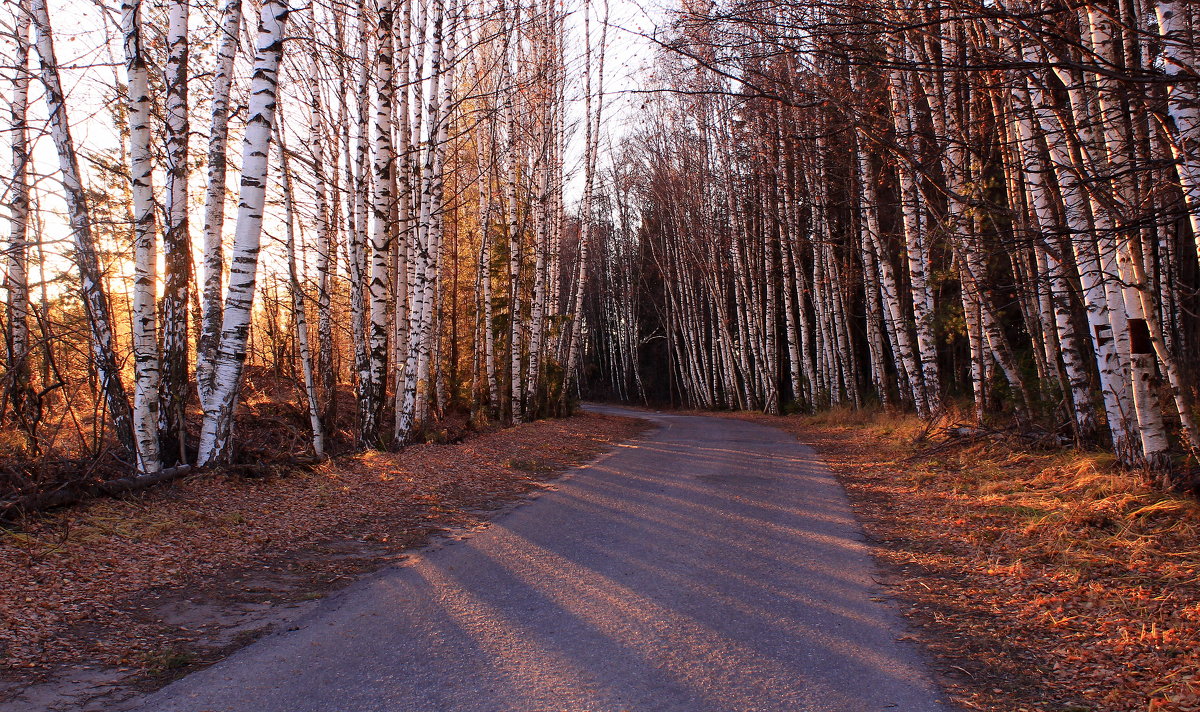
145,229
230,355
998,192
299,310
214,199
177,243
20,390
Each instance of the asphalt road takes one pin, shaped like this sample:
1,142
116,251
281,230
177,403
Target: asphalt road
713,565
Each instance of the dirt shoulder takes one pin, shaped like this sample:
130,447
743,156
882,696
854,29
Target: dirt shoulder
1040,580
103,600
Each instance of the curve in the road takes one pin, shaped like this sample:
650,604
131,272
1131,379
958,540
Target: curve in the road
713,565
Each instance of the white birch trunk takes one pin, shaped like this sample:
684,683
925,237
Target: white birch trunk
405,225
770,375
1095,301
216,433
1116,146
16,281
214,202
1037,175
537,307
357,244
145,239
426,241
326,225
591,142
791,308
516,332
380,246
177,243
485,282
890,289
1179,61
925,379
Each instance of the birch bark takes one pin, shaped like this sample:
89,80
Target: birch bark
380,246
427,237
216,432
591,143
145,239
299,310
214,202
1179,62
177,242
925,379
16,283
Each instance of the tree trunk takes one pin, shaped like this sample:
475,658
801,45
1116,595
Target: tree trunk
145,243
21,394
216,434
177,243
214,201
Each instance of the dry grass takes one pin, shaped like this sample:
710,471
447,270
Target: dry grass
1042,579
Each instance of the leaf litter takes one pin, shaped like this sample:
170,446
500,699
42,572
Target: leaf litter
152,586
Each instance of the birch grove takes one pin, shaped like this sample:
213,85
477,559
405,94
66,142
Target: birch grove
981,209
437,221
390,233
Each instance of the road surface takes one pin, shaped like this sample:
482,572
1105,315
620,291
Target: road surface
713,565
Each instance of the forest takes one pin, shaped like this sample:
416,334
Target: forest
245,233
705,355
390,246
982,210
